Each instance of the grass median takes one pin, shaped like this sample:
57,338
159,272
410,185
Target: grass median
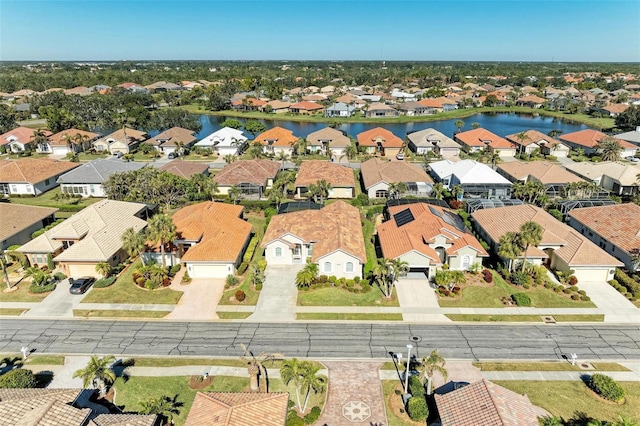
106,313
304,316
546,366
523,318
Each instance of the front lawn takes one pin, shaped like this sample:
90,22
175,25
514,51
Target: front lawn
233,315
51,199
545,366
524,318
334,296
12,312
22,294
125,291
105,313
310,316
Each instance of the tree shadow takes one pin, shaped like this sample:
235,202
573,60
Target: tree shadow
44,378
120,368
580,419
10,363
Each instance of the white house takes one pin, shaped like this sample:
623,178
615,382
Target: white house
87,179
31,176
476,179
226,141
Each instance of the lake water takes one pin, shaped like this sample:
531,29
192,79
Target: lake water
501,124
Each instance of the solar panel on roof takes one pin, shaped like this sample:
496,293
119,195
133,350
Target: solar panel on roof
403,217
453,220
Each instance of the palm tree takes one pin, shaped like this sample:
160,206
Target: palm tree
255,150
456,191
98,373
351,151
438,190
319,190
432,364
554,133
624,421
301,146
307,275
134,243
396,189
282,156
81,140
255,366
39,138
38,276
609,148
163,406
459,125
104,269
229,158
235,194
3,265
292,371
475,125
530,235
311,381
387,272
162,230
510,248
494,158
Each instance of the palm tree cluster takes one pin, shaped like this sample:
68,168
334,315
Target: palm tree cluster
99,373
387,272
581,190
319,191
609,148
514,245
449,279
307,275
304,376
532,192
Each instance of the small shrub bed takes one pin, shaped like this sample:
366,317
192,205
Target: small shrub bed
240,295
39,289
105,282
521,299
628,283
355,285
606,387
18,379
313,415
417,408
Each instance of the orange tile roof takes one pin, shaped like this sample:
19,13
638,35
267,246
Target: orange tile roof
334,227
532,98
217,227
62,137
23,135
396,241
589,138
238,409
616,108
370,137
185,169
306,105
618,223
545,172
335,175
476,137
431,103
32,170
257,172
279,135
376,170
531,136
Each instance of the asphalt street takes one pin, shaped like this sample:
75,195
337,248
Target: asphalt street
320,340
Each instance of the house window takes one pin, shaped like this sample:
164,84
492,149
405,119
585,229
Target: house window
349,267
14,188
310,249
46,181
381,193
66,244
278,251
466,262
327,266
93,189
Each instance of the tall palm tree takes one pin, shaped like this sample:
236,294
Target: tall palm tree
256,368
134,243
459,125
98,373
510,248
530,235
438,190
104,269
609,148
229,158
319,190
432,364
292,371
475,125
163,406
351,151
235,194
39,138
3,265
387,272
162,230
282,157
311,381
396,189
456,190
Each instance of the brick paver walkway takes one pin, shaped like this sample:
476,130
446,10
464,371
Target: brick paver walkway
355,395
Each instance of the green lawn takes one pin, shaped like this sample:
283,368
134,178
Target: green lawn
233,315
388,388
368,229
523,318
566,399
347,317
86,156
333,296
125,291
12,311
545,366
45,360
48,200
22,294
222,362
104,313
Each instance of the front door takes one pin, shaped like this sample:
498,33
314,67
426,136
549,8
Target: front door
297,254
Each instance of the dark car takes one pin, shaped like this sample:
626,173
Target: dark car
80,285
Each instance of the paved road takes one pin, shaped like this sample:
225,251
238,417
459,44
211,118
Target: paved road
320,340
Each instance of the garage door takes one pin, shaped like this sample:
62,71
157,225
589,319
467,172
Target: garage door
209,271
60,150
82,270
420,273
591,274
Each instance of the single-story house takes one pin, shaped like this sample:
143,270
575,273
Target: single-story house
20,221
413,108
476,179
339,109
562,247
527,142
332,237
588,140
238,408
87,179
71,140
252,177
305,108
21,139
378,109
31,176
328,138
185,169
378,175
615,228
613,110
618,177
431,140
531,101
554,177
226,141
380,141
122,140
169,140
276,140
632,137
427,237
276,106
481,139
91,236
340,178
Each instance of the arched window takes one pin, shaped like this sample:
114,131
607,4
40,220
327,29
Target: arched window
466,262
278,251
327,266
349,267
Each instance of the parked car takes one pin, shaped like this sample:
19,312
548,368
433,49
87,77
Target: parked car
171,156
400,156
634,159
80,285
117,154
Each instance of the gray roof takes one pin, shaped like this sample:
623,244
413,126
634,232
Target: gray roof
341,106
428,137
98,171
631,137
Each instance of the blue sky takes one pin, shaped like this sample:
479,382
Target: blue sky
478,30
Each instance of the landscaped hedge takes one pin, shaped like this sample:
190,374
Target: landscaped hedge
520,278
417,408
313,415
105,282
256,204
627,282
355,285
38,289
606,387
521,299
46,228
18,379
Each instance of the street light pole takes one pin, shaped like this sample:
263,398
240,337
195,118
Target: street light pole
406,374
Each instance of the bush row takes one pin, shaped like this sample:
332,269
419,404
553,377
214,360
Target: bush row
38,289
46,228
629,283
355,285
105,282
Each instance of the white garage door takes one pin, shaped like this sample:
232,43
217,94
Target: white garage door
60,150
591,274
209,271
82,270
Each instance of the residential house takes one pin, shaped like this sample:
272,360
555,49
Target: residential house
485,403
615,228
378,175
413,108
226,141
530,101
162,86
173,139
340,178
71,140
633,137
133,87
328,139
91,236
332,237
588,140
380,141
428,237
339,109
252,177
86,180
277,140
527,142
481,139
31,176
431,140
238,408
185,169
555,178
122,140
378,109
476,179
305,108
561,248
432,106
20,221
616,176
20,139
248,104
276,107
613,110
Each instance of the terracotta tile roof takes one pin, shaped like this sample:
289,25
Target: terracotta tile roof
249,101
618,223
485,403
125,420
61,138
277,136
17,217
616,108
335,175
185,169
370,138
542,171
334,227
238,409
23,135
277,104
334,137
41,407
306,105
624,173
532,136
376,170
589,138
247,171
32,170
574,250
431,103
173,135
218,228
428,223
531,98
477,138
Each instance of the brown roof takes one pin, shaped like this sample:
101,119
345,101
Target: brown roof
23,135
334,227
125,420
542,171
431,103
173,135
217,227
238,409
589,138
379,106
531,98
427,224
132,136
277,104
334,137
335,175
477,137
618,223
277,136
376,170
62,137
532,136
370,138
32,170
41,407
306,105
17,217
574,249
485,403
247,171
616,108
185,169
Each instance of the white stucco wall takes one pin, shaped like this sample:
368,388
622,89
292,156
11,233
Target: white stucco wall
338,260
380,186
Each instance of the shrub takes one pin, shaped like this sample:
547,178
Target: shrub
243,268
575,297
582,292
557,289
259,287
240,295
573,280
18,378
104,282
566,290
374,211
551,157
487,275
520,278
521,299
556,213
606,387
186,278
585,298
231,281
59,276
417,408
313,415
294,420
174,270
38,289
547,285
526,286
629,283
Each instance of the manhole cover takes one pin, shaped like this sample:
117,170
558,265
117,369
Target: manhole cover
416,339
548,319
356,411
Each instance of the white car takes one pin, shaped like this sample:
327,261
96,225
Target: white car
400,156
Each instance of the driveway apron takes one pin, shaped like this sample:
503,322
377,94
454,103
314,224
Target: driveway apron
616,307
415,295
279,295
199,299
60,303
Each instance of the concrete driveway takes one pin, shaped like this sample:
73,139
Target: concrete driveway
60,303
416,297
616,307
279,295
199,299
